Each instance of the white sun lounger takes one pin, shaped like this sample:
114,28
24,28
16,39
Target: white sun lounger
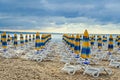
96,71
70,69
114,63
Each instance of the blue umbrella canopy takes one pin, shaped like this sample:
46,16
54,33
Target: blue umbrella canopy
110,45
8,39
72,42
29,37
15,40
85,52
26,39
4,40
99,42
37,42
118,41
77,45
33,37
21,40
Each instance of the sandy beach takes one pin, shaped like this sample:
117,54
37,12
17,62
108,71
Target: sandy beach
20,69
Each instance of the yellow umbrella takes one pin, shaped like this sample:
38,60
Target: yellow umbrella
110,45
4,41
77,46
85,52
15,40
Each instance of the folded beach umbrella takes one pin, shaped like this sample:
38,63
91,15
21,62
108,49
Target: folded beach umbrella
4,41
21,40
1,39
104,40
99,42
110,45
92,41
118,42
77,46
30,37
26,39
85,52
72,42
42,41
37,42
8,39
33,37
15,40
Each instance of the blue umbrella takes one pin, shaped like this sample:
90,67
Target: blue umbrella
85,52
4,41
77,45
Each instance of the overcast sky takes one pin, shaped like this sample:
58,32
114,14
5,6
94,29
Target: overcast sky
74,16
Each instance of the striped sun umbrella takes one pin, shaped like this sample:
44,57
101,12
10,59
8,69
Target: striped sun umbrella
8,40
26,39
4,41
21,40
37,42
85,52
110,45
1,39
15,40
72,42
118,42
99,43
77,45
33,37
30,37
92,41
42,41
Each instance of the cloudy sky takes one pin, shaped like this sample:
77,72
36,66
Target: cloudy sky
73,16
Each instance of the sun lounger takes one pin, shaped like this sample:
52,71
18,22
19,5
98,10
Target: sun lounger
95,71
70,69
114,63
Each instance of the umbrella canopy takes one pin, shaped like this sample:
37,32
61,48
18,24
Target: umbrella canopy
8,40
15,40
37,42
42,41
21,40
77,45
118,42
92,40
26,39
99,42
110,45
4,41
29,37
33,37
85,52
1,39
72,42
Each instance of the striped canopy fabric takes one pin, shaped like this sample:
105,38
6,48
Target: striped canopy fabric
8,39
1,39
30,37
33,37
4,41
26,39
72,42
77,45
21,40
118,42
15,40
37,42
85,52
110,45
99,42
92,40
